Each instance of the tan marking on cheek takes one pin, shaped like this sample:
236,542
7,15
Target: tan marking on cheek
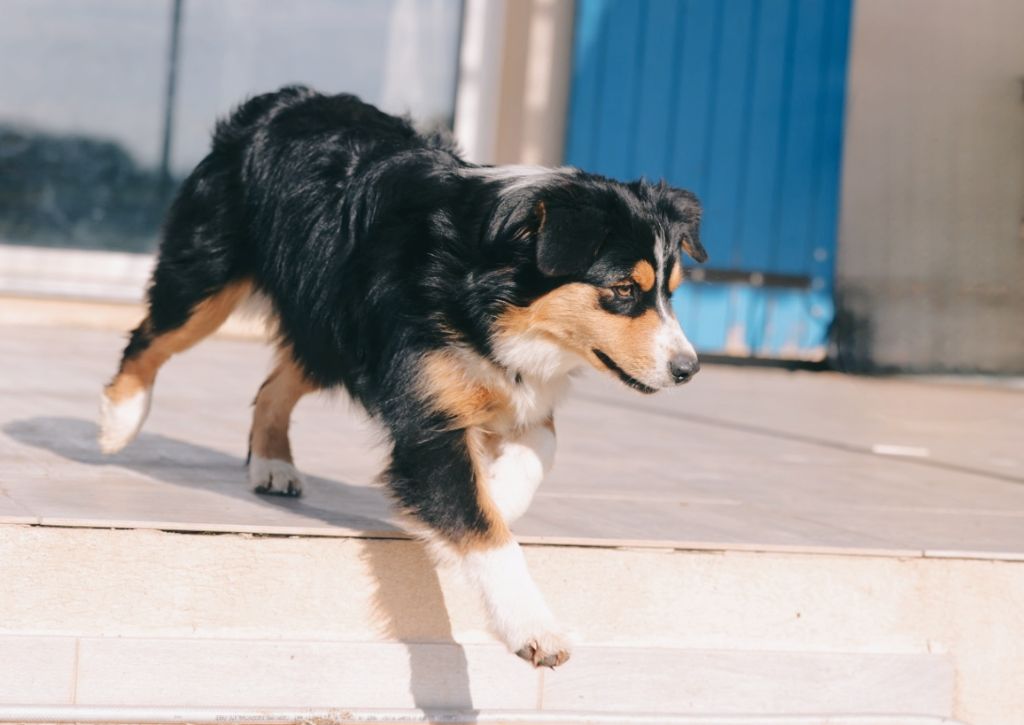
571,316
565,315
455,393
643,275
629,341
676,278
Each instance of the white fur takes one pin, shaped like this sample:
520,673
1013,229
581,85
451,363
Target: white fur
543,367
517,176
272,475
517,610
543,378
120,422
533,400
515,473
669,341
535,355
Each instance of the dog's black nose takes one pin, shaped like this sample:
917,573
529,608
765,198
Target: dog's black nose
683,367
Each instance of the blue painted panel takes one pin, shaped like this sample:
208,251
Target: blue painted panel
826,203
741,101
795,184
693,94
729,112
767,124
586,79
655,86
617,105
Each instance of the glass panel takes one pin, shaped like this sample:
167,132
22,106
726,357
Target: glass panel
83,95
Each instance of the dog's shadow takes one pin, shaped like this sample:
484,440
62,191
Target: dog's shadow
181,463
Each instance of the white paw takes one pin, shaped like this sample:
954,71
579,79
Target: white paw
121,421
272,475
545,649
515,606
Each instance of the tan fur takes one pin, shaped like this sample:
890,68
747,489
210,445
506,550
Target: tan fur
272,408
572,316
468,401
687,244
676,278
138,373
479,409
483,446
643,275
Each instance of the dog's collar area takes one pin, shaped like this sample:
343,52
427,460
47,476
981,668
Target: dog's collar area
623,376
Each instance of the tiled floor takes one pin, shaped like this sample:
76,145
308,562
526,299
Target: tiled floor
741,458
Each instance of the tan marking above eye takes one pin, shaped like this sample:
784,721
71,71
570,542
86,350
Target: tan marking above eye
676,278
643,275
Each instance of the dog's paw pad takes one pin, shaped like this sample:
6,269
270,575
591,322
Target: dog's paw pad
274,476
550,650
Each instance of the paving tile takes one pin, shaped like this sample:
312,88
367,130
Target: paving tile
963,531
750,683
12,511
973,426
747,457
121,499
230,673
37,670
677,524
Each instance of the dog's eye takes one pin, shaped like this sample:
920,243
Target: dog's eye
625,291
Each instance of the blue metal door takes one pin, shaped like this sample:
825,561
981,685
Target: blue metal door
740,101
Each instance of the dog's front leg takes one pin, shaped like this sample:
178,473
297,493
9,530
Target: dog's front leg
516,466
442,482
517,610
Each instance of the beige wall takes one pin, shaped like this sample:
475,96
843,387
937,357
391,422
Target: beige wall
931,260
514,74
535,82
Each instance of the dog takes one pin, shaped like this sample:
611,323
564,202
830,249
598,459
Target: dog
452,300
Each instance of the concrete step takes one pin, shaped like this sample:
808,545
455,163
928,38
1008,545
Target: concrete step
337,716
232,673
147,626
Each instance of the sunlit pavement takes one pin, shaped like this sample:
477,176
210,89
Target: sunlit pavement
738,458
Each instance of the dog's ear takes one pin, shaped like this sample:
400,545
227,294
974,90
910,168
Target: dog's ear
568,236
685,212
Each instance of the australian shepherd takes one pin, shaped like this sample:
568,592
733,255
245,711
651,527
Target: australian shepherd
452,300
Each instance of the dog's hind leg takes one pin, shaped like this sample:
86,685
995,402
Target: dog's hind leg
199,279
271,468
125,401
439,480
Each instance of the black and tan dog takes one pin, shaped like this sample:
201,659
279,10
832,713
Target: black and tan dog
451,300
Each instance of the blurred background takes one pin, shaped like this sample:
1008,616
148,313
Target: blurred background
861,162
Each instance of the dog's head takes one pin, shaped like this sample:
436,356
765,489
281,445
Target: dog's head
601,260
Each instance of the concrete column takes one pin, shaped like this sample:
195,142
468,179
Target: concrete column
514,74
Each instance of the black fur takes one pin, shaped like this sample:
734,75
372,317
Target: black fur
376,245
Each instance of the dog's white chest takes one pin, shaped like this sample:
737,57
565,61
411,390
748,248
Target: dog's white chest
533,401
